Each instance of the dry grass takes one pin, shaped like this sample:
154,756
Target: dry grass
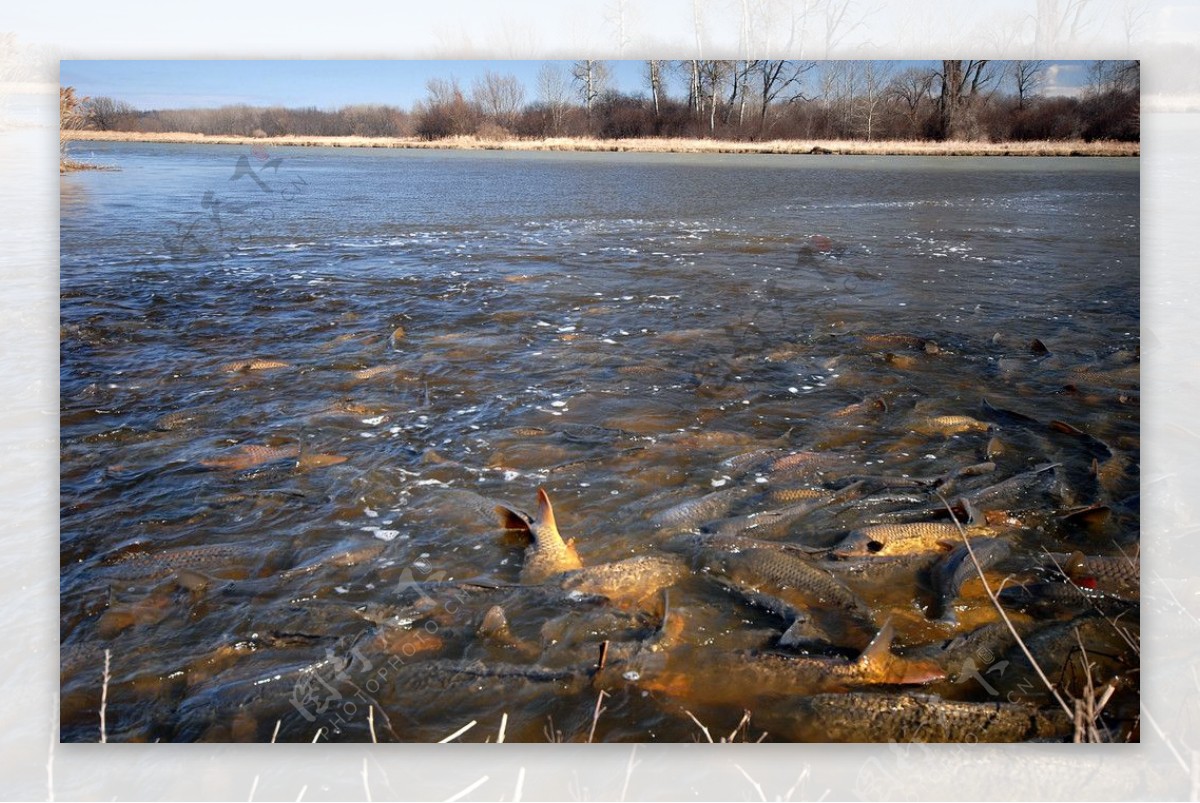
588,144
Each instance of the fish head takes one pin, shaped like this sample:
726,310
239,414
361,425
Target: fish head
857,545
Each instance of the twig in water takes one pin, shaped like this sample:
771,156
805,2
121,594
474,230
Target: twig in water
503,725
596,714
1000,609
744,721
104,698
320,732
700,725
458,732
371,723
275,734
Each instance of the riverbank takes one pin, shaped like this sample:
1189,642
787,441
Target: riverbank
824,147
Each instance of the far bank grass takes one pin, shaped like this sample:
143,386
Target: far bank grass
650,145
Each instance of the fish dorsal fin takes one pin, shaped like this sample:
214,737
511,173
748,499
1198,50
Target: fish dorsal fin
494,624
974,518
880,649
671,626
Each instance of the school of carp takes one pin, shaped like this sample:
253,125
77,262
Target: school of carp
785,586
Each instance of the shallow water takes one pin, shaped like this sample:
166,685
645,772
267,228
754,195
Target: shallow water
607,326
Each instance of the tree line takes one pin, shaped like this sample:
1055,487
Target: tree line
982,100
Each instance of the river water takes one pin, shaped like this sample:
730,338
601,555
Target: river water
333,362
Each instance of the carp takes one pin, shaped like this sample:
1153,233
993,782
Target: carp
711,506
1119,576
738,678
547,554
956,568
626,582
903,539
948,425
226,558
867,717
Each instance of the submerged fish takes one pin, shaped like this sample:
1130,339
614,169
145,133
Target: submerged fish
148,565
708,507
241,366
948,425
788,576
818,608
630,581
1053,598
894,340
739,678
249,456
547,554
868,717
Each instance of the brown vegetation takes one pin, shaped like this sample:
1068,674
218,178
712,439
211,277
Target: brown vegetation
663,145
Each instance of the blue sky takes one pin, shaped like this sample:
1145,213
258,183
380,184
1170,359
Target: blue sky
330,84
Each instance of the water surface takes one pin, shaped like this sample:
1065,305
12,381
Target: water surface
607,326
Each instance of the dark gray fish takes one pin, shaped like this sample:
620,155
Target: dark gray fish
956,568
1054,598
1027,489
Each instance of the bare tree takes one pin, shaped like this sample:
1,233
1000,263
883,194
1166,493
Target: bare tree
961,84
779,80
713,74
913,90
499,97
872,93
104,114
592,77
654,75
1028,77
554,91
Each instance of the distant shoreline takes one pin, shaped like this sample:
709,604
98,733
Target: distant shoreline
647,145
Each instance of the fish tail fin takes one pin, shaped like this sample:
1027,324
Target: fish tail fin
546,511
546,530
513,520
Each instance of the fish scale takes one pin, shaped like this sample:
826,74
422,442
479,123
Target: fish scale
900,539
862,716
